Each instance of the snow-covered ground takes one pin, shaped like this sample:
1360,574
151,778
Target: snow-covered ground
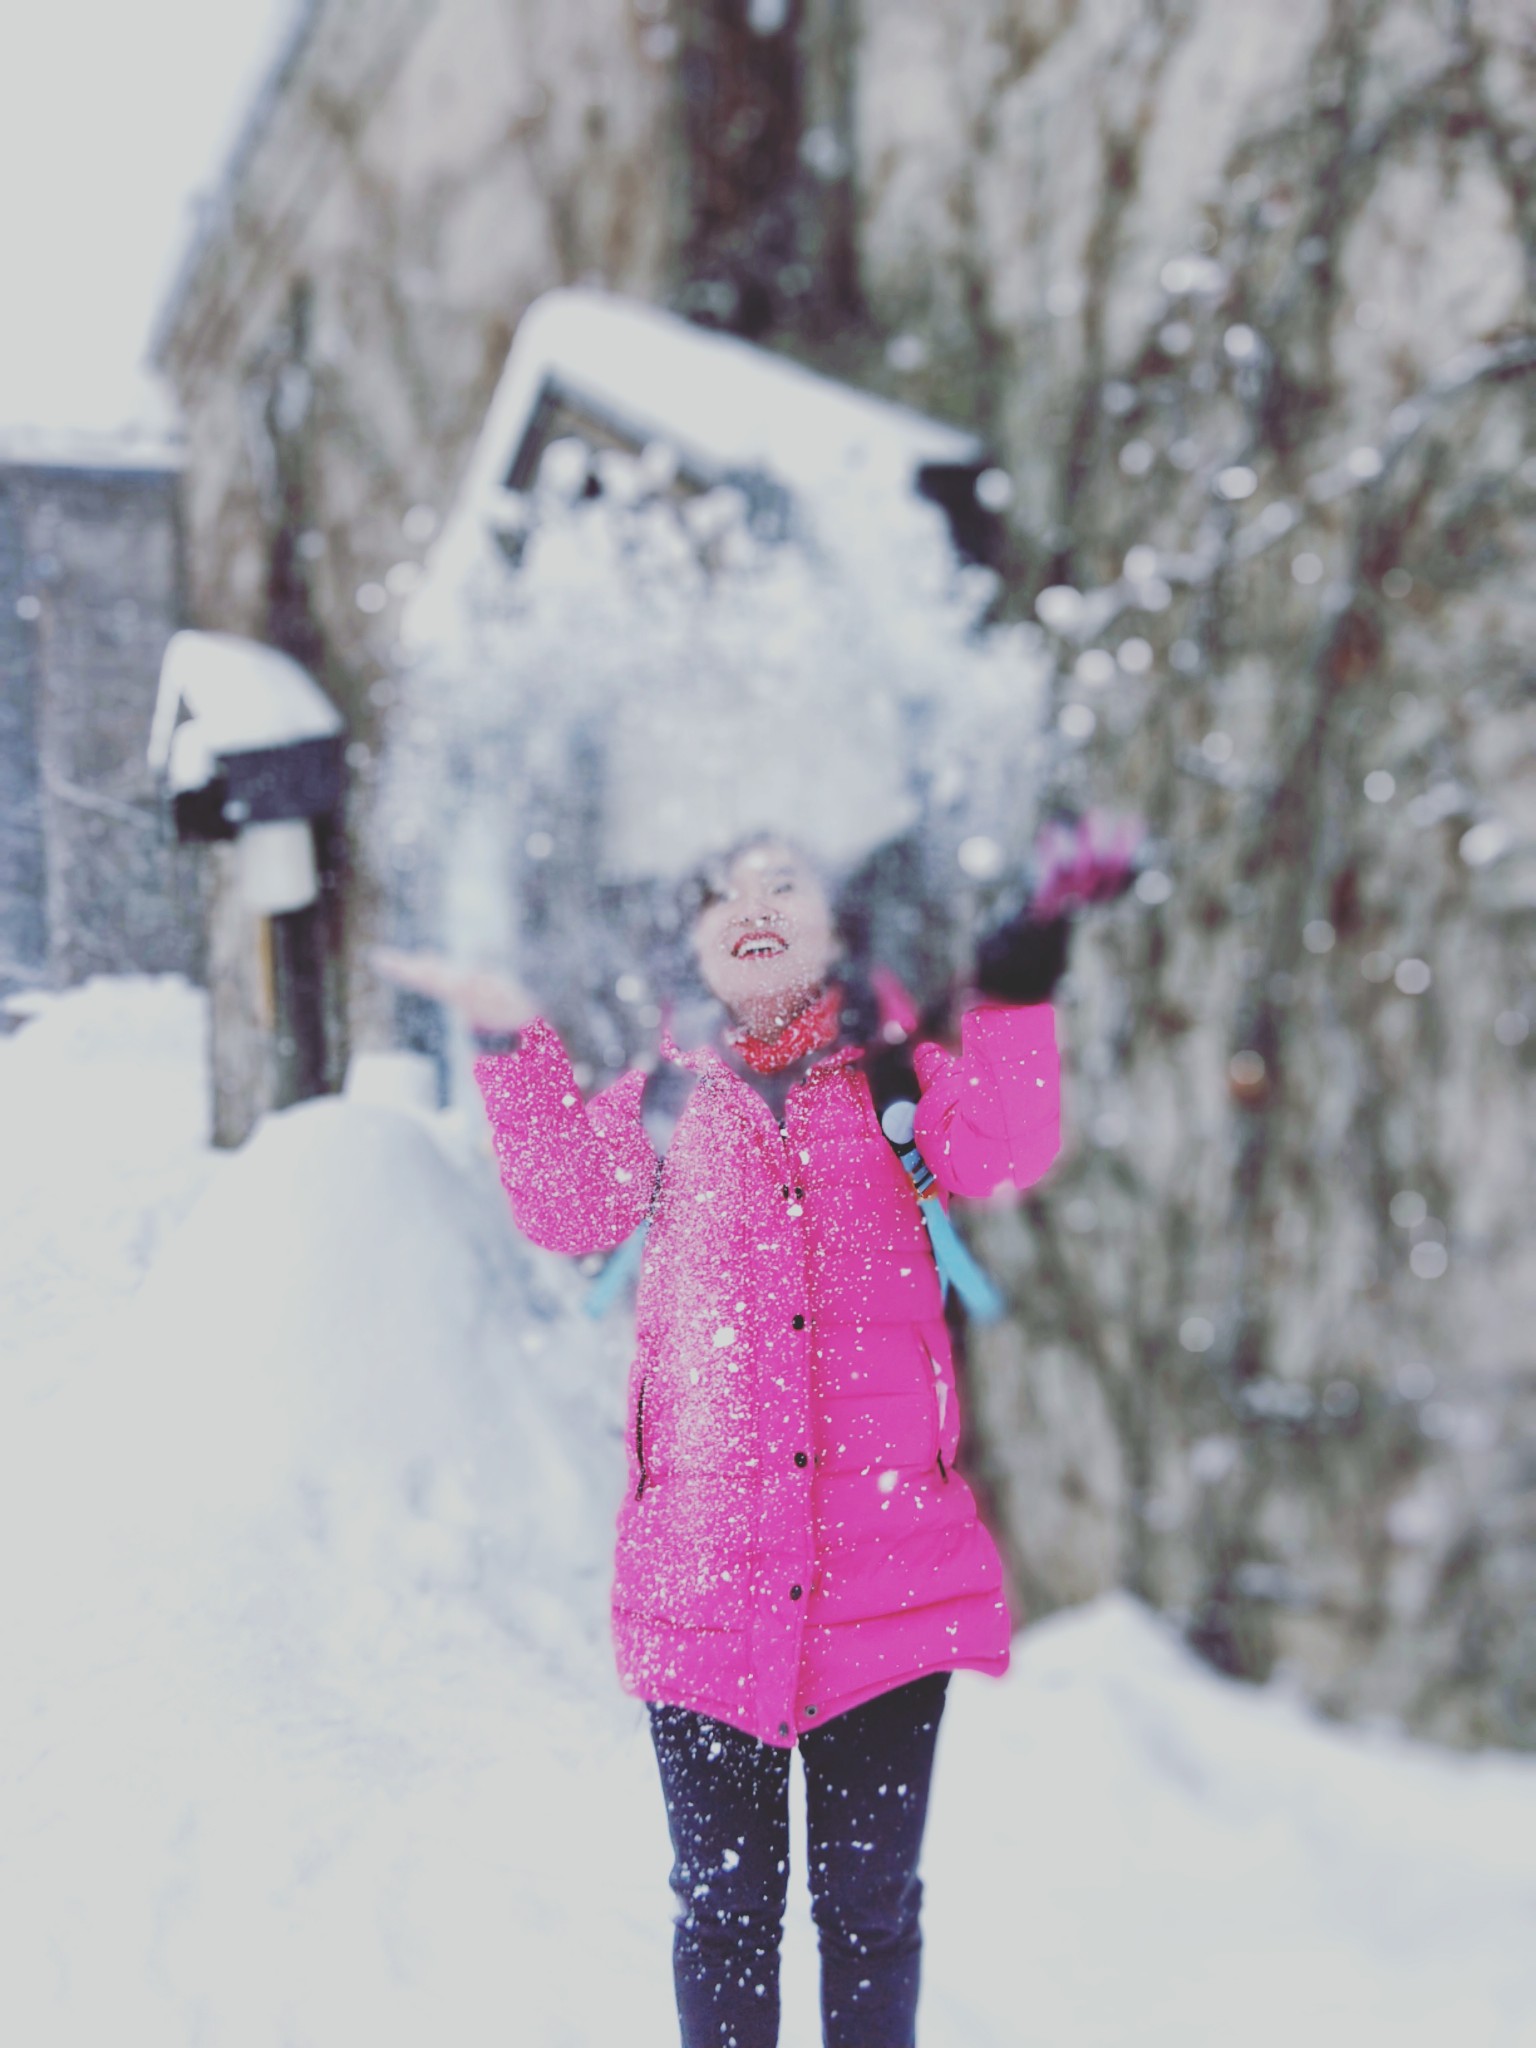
310,1736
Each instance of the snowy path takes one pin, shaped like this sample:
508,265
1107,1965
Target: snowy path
310,1735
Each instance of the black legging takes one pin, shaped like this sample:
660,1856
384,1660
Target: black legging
727,1794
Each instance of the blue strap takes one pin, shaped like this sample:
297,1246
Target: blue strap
958,1268
620,1269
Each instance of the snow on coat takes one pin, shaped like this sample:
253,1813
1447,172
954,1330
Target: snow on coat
794,1538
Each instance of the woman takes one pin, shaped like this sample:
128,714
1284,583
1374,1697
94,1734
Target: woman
798,1560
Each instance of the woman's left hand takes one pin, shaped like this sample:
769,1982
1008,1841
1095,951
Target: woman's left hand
485,999
1092,859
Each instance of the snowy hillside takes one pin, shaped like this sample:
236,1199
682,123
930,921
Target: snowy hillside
306,1471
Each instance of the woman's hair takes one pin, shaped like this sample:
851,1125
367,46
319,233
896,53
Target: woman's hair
888,911
706,883
880,915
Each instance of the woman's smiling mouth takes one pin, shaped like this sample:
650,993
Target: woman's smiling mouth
759,945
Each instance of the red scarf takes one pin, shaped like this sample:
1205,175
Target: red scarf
816,1025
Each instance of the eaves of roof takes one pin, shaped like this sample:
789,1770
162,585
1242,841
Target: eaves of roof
348,52
214,212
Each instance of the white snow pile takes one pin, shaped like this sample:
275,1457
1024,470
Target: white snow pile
310,1734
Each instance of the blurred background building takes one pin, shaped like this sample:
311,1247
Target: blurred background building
1238,299
91,879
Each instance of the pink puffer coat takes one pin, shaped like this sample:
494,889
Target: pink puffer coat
795,1538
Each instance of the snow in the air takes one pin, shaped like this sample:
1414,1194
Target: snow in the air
809,681
307,1468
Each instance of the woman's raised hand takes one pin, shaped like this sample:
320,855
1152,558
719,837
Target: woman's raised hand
486,1000
1087,860
1077,863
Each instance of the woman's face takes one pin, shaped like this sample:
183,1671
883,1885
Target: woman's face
764,940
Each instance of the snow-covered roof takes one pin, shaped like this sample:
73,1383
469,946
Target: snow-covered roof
242,696
24,447
722,404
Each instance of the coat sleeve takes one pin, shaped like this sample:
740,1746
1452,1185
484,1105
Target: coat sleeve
579,1175
991,1113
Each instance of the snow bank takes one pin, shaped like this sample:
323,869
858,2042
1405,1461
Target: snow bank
1168,1856
311,1736
103,1125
